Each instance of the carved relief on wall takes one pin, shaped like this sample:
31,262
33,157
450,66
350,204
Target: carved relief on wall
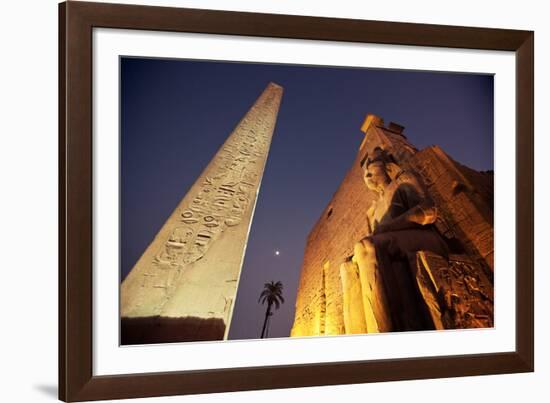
462,292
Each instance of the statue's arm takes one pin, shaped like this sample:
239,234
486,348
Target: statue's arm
422,213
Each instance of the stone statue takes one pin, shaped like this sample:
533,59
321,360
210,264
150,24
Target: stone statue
400,224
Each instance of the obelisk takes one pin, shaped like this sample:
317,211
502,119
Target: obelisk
184,285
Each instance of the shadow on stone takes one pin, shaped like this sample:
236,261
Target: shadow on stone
156,329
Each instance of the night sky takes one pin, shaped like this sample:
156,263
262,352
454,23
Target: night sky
175,114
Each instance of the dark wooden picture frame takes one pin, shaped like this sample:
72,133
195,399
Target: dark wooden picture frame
76,23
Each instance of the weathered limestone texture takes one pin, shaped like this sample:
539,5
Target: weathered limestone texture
406,243
184,285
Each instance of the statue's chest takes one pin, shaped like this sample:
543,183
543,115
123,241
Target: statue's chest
386,207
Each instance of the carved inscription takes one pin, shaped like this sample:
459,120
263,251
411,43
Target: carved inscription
463,292
225,194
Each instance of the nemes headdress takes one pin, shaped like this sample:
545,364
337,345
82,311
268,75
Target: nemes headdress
379,155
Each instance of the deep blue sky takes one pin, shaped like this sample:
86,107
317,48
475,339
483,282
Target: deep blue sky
176,114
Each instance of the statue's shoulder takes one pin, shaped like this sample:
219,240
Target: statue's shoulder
407,178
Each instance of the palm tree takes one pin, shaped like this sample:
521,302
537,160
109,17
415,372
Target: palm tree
273,295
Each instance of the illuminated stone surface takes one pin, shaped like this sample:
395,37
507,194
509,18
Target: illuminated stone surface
413,253
184,285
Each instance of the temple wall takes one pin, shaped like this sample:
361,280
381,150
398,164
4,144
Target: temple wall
462,195
329,244
465,196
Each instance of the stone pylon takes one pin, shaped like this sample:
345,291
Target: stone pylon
184,285
351,284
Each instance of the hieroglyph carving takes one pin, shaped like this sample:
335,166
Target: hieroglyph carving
222,200
457,292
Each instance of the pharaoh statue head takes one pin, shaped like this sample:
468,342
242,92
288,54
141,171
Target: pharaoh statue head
379,170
